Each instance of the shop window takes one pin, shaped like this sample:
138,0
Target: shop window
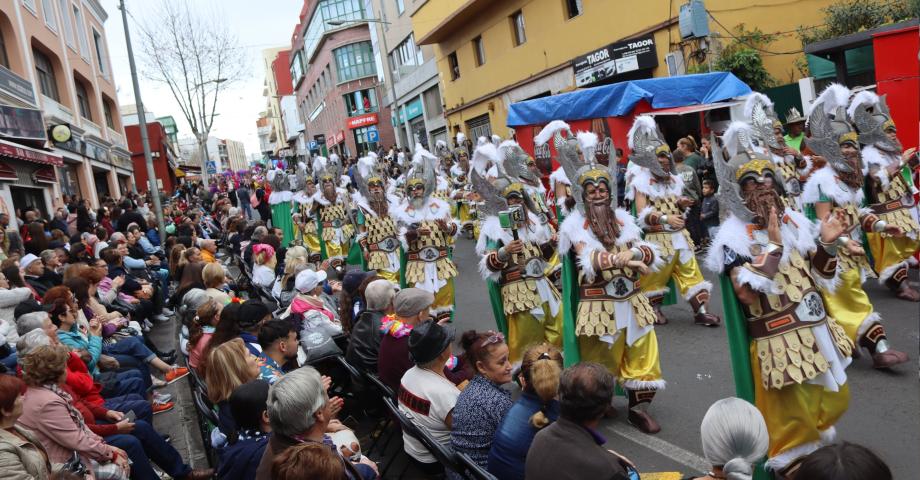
83,100
573,8
354,61
454,66
517,28
479,50
479,127
361,102
45,72
361,140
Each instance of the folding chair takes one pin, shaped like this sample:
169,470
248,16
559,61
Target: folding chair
443,455
207,421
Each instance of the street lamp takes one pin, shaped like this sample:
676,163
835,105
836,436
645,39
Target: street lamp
202,137
383,61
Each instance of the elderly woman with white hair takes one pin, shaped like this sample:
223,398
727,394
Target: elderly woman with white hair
734,437
300,411
365,333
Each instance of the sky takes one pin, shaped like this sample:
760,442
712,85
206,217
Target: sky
257,28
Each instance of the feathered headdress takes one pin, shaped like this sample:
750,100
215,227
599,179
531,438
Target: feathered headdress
424,170
870,114
829,127
647,142
759,110
580,170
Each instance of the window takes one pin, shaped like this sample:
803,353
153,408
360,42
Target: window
81,32
109,119
361,135
297,67
4,60
83,100
30,4
355,60
517,27
100,51
573,8
360,102
454,66
406,54
400,6
45,73
479,50
48,12
479,127
65,20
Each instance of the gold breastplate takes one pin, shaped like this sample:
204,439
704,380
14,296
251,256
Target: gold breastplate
519,280
379,228
845,261
596,303
666,205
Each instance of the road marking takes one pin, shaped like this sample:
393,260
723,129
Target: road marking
655,444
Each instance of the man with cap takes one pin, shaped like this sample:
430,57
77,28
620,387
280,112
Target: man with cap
33,268
795,124
365,330
425,392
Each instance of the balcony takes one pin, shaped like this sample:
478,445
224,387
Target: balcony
91,129
117,139
14,86
56,112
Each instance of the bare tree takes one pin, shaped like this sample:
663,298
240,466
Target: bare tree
197,57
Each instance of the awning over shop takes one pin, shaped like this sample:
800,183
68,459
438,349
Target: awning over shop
7,172
619,99
21,152
692,108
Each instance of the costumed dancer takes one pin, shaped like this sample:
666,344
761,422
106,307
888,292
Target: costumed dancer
766,253
793,166
304,217
838,187
890,191
427,230
528,308
280,201
379,237
332,211
613,321
461,192
656,193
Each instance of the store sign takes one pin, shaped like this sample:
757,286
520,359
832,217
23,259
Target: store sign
22,123
615,59
30,154
44,175
16,86
338,138
319,139
411,110
361,121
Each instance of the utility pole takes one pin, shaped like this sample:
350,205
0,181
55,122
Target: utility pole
141,117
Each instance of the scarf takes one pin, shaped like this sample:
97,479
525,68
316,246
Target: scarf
394,328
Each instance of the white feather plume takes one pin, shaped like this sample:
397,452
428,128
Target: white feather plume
372,155
643,123
440,144
861,98
507,144
334,157
481,141
752,100
587,140
366,166
319,163
422,155
732,137
496,140
270,175
460,138
302,166
835,95
482,156
549,130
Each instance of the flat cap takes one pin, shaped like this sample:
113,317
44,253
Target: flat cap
409,301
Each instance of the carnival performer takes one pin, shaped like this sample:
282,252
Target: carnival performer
461,192
660,207
771,264
427,230
838,187
378,237
280,201
793,166
332,207
890,191
514,257
613,321
304,217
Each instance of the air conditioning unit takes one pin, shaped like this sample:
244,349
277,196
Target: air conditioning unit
693,20
675,62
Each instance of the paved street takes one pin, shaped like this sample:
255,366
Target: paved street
695,362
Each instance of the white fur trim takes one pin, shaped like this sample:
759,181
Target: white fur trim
320,199
732,137
827,285
365,165
783,460
641,123
752,100
484,269
642,182
873,157
434,209
865,96
756,281
867,322
633,384
558,176
549,130
886,273
835,95
699,287
587,140
824,181
828,436
656,293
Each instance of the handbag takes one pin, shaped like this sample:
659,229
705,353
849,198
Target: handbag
75,466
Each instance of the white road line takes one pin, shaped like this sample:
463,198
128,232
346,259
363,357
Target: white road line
655,444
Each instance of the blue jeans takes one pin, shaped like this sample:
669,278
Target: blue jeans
144,445
10,362
131,403
133,382
247,208
164,282
132,347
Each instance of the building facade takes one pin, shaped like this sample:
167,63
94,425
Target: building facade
492,54
272,90
55,76
165,160
413,71
334,73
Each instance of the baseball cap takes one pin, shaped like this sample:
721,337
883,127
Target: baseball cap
308,279
27,260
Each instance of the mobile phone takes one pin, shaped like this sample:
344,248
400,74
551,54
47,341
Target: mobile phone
130,416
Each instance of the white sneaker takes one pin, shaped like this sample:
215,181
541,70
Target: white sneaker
156,382
160,318
159,397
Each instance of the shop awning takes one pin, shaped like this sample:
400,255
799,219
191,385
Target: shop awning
21,152
692,108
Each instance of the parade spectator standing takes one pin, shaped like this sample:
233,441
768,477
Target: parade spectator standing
242,194
709,212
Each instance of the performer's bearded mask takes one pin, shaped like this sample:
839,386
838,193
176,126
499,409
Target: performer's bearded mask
854,178
760,195
329,190
599,213
378,198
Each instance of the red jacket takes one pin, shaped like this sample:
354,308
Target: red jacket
81,383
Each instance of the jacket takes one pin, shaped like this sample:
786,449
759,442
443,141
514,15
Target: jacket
39,284
709,211
9,299
515,436
22,459
568,451
75,340
365,341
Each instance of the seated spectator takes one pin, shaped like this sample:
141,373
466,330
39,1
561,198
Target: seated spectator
191,278
541,366
51,275
48,411
278,339
301,412
426,393
10,298
202,329
208,251
843,461
364,343
241,457
308,460
215,282
316,318
263,270
251,316
175,260
734,438
352,300
231,366
571,448
22,455
483,403
189,255
33,269
227,329
140,290
88,299
295,257
255,238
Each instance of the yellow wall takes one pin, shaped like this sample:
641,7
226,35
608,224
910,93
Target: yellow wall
553,40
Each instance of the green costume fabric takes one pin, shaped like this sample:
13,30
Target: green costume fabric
281,218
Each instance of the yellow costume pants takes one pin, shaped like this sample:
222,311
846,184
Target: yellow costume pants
444,299
796,415
463,212
849,304
685,275
525,330
335,249
393,277
889,251
638,361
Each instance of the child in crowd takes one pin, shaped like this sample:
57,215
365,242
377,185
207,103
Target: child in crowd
709,212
